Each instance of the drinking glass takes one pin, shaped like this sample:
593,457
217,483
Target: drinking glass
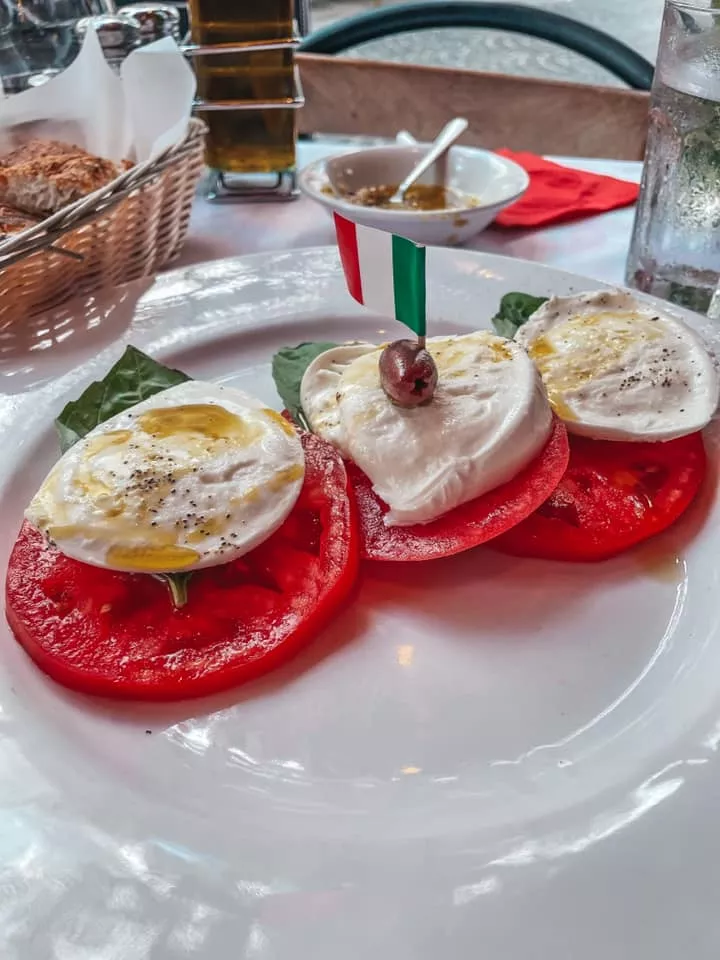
675,248
39,35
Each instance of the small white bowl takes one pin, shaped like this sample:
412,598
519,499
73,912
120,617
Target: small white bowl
493,182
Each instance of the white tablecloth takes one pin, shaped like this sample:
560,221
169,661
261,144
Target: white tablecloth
596,247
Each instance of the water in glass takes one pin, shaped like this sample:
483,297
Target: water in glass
675,250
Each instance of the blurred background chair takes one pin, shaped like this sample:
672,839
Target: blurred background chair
616,57
366,97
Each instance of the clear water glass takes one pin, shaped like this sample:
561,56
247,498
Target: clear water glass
675,247
39,35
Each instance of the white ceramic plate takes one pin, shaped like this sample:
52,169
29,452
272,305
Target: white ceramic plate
483,757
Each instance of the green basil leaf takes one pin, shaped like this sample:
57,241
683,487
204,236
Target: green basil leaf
134,377
288,367
694,298
515,309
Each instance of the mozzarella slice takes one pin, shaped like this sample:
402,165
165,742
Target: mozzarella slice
616,369
319,387
488,419
195,476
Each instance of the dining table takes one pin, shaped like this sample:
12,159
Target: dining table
488,758
595,247
51,344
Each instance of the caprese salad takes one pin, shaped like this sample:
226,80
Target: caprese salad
188,539
634,388
486,458
191,538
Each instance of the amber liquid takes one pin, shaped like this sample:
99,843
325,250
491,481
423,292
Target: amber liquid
245,141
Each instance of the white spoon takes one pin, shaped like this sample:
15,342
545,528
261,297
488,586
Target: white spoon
442,143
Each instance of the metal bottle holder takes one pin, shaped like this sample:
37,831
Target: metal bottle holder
285,185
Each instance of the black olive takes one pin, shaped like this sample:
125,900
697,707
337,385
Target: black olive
408,374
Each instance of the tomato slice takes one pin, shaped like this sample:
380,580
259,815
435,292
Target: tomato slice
118,635
613,496
468,525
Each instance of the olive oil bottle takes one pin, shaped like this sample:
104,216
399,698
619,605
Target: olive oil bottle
243,140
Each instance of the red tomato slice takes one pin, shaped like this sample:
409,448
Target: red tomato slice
613,496
468,525
118,635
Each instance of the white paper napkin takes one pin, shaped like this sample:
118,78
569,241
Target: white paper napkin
134,116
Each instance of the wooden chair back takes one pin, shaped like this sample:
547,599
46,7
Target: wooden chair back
375,98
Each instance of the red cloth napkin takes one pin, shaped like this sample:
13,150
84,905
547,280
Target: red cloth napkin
557,194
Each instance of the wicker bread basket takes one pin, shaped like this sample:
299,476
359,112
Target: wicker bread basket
131,228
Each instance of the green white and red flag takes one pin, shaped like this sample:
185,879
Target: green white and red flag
384,272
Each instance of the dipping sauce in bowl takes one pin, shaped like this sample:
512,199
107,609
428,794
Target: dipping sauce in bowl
421,196
358,186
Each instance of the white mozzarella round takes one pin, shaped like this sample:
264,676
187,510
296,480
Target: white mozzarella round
488,419
616,369
195,476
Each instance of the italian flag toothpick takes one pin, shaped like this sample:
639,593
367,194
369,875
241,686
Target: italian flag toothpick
384,272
